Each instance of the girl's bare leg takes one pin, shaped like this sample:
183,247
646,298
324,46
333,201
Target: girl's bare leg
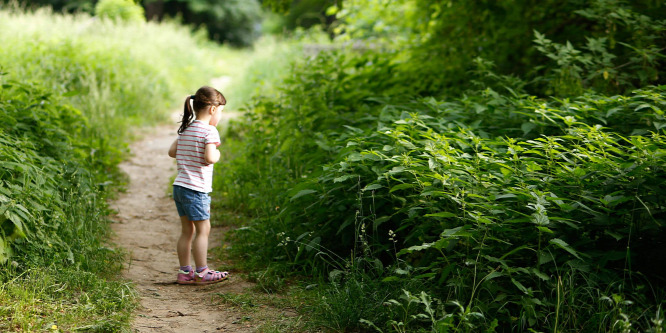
200,246
184,246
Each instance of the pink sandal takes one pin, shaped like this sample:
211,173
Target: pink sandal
208,276
185,277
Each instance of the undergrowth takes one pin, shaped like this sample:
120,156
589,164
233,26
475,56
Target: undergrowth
493,210
74,89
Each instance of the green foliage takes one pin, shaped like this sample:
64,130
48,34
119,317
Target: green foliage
509,209
234,21
92,62
608,46
123,10
57,5
376,20
60,142
53,213
73,300
308,13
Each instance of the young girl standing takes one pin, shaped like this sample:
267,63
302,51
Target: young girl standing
195,151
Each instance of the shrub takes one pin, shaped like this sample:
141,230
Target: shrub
499,202
123,10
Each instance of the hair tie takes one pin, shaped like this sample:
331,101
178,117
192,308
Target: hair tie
192,96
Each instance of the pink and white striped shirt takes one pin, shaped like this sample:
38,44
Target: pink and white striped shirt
193,171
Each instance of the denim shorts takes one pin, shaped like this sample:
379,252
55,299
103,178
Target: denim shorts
194,204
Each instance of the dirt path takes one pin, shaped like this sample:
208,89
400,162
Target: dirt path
148,227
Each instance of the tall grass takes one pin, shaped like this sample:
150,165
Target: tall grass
117,74
73,89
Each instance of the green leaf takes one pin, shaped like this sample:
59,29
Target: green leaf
493,275
563,245
71,93
401,187
342,178
377,222
302,193
441,214
332,10
15,219
546,230
372,187
613,234
539,274
527,127
519,285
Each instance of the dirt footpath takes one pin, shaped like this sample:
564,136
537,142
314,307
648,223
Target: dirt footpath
148,227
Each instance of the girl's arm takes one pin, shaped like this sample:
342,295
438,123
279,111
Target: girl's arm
173,148
211,154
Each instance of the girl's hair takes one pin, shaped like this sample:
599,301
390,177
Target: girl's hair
205,96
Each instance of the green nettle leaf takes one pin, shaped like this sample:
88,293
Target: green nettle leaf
16,219
302,193
401,187
539,274
546,230
5,251
377,222
519,285
343,178
565,246
372,187
615,235
527,127
441,214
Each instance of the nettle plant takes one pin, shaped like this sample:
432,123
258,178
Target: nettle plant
528,218
49,199
626,54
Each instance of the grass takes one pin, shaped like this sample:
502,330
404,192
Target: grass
118,75
286,311
74,90
64,300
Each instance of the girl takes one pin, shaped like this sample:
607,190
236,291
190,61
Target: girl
195,151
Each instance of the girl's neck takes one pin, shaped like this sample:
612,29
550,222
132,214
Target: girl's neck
203,117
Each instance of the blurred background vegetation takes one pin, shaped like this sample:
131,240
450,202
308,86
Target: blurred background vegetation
422,165
237,22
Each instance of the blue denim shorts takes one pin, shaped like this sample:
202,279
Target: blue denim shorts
194,204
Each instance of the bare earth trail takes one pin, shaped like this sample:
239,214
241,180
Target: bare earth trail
147,225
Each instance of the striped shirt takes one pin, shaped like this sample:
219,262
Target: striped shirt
193,171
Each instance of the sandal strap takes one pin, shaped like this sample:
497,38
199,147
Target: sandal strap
211,275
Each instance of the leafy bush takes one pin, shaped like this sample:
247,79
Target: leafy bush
123,10
509,209
493,177
609,46
52,210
